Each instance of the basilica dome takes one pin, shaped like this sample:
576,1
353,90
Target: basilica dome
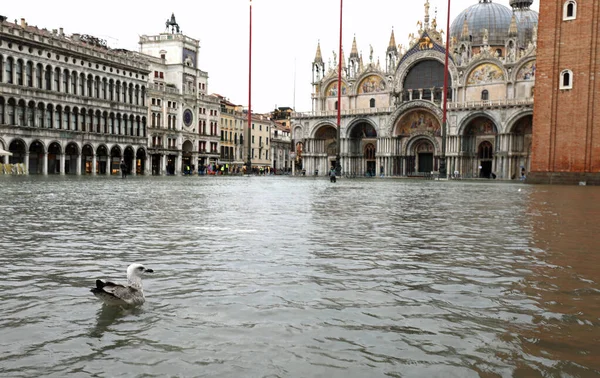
496,19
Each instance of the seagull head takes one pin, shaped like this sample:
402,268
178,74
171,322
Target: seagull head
137,270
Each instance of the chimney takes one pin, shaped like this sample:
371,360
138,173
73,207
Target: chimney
61,32
23,24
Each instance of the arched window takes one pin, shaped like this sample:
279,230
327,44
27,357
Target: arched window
336,105
485,95
566,79
370,152
372,103
570,10
19,72
9,70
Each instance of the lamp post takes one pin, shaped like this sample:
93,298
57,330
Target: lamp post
443,169
249,142
338,167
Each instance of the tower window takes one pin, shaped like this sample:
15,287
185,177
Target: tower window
566,79
570,10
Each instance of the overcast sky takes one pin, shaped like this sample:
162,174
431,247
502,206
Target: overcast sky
284,35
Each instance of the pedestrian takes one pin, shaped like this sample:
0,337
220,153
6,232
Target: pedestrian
123,168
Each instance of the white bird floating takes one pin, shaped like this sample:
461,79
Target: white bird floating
131,294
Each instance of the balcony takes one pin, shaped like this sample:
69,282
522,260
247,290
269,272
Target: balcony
344,112
491,103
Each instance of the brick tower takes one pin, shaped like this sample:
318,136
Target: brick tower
566,123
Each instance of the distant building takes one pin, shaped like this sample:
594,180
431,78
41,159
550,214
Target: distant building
184,120
69,104
566,125
281,143
260,141
391,110
233,121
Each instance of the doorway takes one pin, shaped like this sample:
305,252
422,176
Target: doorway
425,162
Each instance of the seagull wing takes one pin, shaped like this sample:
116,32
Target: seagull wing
117,294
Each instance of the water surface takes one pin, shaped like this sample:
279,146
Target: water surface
298,277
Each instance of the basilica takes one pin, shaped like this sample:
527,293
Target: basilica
391,111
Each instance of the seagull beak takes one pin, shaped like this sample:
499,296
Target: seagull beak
148,271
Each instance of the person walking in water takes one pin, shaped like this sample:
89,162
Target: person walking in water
123,168
332,174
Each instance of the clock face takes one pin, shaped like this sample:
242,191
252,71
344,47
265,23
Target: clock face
187,117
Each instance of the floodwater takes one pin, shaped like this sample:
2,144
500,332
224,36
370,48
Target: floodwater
299,277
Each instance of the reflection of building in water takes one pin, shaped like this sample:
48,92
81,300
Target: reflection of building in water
564,282
491,77
566,125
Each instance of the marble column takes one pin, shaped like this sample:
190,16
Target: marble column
94,163
45,164
27,162
62,164
133,166
78,169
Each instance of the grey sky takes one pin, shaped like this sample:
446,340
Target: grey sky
285,35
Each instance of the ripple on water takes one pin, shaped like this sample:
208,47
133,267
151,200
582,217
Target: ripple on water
277,276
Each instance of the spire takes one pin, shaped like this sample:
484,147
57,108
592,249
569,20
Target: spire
344,66
512,29
426,24
465,30
361,66
378,65
392,44
318,56
354,51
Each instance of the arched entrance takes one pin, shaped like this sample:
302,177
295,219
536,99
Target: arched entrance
115,160
36,158
54,152
186,158
102,160
71,155
140,158
417,132
128,156
362,150
17,148
87,155
520,147
477,156
325,149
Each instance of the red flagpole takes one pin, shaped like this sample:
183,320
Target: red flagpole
443,168
339,96
249,142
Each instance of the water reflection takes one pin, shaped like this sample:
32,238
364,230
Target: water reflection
106,316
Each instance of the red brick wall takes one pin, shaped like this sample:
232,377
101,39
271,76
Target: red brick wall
566,130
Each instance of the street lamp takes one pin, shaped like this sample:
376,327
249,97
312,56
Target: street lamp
443,169
249,142
338,167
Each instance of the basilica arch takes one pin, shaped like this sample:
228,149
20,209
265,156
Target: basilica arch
360,148
478,147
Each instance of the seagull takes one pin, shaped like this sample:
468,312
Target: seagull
131,294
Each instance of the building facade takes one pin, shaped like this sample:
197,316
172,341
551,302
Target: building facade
69,104
183,132
391,111
566,146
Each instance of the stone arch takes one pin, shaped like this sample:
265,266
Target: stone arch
18,148
356,128
297,132
407,107
37,151
370,82
511,123
405,66
329,88
484,65
526,65
483,113
321,125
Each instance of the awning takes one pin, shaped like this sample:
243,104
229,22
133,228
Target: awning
5,153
